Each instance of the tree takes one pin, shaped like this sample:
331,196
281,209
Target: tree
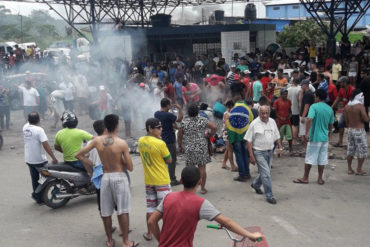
308,30
4,11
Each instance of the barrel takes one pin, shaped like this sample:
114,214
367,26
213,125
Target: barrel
250,12
161,20
219,15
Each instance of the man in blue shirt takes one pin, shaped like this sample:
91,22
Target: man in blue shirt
178,90
323,84
168,134
320,121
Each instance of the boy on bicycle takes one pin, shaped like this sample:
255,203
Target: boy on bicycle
182,210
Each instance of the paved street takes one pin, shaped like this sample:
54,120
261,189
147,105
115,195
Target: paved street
335,214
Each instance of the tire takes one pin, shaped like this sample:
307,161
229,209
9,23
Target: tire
51,189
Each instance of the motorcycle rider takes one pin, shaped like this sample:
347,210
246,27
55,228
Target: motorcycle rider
69,141
35,140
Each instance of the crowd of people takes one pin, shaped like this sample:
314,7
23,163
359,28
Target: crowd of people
256,103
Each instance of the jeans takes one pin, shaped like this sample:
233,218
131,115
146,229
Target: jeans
4,113
76,164
263,160
172,167
242,158
35,180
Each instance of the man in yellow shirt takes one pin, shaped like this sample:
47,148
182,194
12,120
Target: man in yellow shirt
336,70
154,156
280,82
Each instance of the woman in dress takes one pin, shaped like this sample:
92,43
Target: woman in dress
194,131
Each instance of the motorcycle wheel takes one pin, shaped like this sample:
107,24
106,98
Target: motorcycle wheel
54,187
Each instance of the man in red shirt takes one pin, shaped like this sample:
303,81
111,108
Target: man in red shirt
283,111
182,210
265,80
169,91
344,95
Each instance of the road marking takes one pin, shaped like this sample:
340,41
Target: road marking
289,227
286,225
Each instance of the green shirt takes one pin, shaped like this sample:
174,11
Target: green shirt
322,115
70,140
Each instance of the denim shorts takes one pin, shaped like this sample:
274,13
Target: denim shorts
341,122
317,153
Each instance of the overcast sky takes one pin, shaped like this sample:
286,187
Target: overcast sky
179,13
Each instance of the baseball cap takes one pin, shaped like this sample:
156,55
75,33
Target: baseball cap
152,123
247,71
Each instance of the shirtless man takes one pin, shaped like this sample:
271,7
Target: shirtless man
355,117
115,157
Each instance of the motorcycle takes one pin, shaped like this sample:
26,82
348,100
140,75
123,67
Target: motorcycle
60,183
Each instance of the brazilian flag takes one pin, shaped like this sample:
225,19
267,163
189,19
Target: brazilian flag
239,119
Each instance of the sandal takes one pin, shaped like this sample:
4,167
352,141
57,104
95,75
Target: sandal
299,181
350,172
203,191
321,183
146,238
134,244
337,145
225,167
362,173
113,243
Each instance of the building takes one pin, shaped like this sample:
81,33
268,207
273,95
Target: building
294,10
164,43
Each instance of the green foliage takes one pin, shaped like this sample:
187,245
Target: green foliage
38,27
308,30
353,37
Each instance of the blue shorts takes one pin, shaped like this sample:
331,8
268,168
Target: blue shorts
317,153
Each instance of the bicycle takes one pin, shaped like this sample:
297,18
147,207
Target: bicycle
244,241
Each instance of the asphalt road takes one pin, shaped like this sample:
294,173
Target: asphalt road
335,214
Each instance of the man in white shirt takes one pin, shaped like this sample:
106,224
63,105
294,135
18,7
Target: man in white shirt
31,98
69,91
35,145
260,137
293,95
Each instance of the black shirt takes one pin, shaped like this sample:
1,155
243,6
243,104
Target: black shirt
167,119
365,88
237,88
308,98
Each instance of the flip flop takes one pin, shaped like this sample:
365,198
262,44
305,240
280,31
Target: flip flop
113,243
203,192
321,183
361,173
299,181
235,170
225,167
337,145
350,172
146,238
134,244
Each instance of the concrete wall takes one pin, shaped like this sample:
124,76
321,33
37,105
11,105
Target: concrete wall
234,42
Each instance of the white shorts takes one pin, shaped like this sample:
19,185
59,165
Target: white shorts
302,127
317,153
114,191
352,74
